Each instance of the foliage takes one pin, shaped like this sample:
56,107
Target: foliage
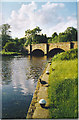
53,39
16,45
19,43
5,29
63,89
10,46
68,55
34,37
5,33
54,35
70,34
3,52
0,43
39,39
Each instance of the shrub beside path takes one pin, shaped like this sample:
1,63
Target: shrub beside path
41,92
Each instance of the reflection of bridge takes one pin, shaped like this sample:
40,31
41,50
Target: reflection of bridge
51,47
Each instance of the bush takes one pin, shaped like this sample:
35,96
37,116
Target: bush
68,55
10,47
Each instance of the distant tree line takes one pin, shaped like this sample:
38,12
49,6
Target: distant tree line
70,34
33,36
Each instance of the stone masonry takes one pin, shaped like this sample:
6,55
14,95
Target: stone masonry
47,47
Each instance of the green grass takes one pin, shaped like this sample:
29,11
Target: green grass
63,89
68,55
9,53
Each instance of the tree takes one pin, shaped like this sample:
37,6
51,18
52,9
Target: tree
5,33
5,29
19,43
53,39
63,37
15,46
10,47
72,33
54,35
29,32
34,37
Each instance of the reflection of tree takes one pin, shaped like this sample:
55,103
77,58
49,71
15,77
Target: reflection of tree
6,72
23,73
20,81
36,67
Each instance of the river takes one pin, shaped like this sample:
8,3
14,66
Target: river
19,80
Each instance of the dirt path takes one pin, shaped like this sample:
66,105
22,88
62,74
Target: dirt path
41,92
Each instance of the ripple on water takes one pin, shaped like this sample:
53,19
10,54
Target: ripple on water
19,77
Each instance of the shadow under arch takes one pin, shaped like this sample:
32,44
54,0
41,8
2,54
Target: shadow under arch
37,52
54,51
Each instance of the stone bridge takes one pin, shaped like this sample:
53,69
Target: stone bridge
47,48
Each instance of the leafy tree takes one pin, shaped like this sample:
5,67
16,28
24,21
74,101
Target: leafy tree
0,43
39,39
5,33
15,46
19,43
34,37
72,33
62,37
10,47
69,35
54,35
53,39
50,40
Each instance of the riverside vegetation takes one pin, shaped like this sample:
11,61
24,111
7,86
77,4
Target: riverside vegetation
12,46
63,89
63,78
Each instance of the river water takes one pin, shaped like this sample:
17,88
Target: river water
19,79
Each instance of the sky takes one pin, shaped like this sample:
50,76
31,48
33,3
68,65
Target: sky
49,16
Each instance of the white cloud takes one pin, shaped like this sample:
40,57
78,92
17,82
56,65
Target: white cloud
46,17
62,26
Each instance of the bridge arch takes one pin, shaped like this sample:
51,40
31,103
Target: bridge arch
54,51
37,52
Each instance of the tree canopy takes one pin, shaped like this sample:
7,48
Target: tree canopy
34,36
5,33
70,34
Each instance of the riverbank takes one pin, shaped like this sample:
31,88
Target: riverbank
63,89
41,92
61,93
3,53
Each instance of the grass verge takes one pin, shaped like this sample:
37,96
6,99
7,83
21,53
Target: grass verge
9,53
63,89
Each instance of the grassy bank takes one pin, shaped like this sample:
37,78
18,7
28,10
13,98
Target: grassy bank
63,90
3,53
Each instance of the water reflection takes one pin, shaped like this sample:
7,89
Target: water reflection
19,79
